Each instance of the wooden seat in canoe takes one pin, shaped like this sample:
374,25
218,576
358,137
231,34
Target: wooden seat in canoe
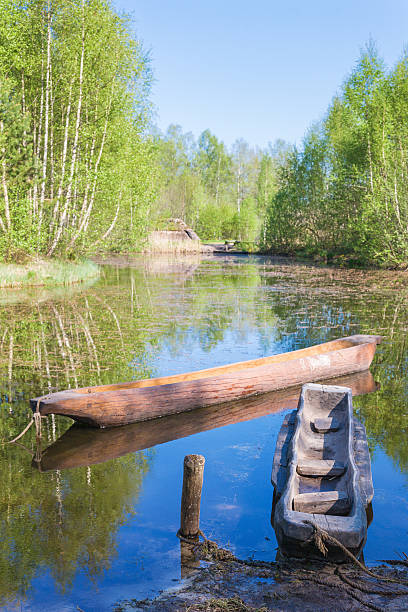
323,502
321,479
324,425
320,468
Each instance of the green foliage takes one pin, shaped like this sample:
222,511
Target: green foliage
221,194
75,163
344,193
38,273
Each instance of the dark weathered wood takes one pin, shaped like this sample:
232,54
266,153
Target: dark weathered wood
191,496
326,468
322,502
361,457
120,404
82,445
321,481
325,425
363,462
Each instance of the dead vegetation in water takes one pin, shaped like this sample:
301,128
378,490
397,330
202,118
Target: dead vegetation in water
231,604
228,584
173,242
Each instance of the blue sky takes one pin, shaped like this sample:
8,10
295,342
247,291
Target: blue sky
259,70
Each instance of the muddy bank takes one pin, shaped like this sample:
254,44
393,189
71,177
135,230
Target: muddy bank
236,586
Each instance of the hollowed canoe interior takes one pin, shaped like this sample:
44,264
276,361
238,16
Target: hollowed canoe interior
322,484
311,351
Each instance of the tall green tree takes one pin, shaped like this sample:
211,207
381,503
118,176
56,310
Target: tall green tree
82,82
344,193
214,165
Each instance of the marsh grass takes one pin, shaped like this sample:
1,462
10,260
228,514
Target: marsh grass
162,244
37,273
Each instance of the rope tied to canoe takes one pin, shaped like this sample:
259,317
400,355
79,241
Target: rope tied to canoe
36,420
320,537
209,550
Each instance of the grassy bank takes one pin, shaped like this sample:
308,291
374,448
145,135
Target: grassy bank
39,272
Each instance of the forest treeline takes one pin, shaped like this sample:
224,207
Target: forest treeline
222,193
343,194
83,169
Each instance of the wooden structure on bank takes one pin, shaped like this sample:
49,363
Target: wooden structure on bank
83,446
321,474
140,400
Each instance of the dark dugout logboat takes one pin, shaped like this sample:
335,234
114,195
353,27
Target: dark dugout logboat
322,475
141,400
82,445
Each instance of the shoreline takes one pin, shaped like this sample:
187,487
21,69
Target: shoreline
284,585
56,273
46,273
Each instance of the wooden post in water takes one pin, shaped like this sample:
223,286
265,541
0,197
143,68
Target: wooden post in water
191,496
190,512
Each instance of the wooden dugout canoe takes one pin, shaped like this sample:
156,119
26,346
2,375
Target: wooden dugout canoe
141,400
84,446
322,474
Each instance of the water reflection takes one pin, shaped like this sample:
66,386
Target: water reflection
62,522
151,318
82,445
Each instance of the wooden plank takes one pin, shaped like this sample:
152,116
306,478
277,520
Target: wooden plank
323,425
324,468
322,502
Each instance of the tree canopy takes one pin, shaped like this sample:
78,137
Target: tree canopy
343,193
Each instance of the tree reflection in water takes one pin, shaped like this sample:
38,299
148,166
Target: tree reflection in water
117,330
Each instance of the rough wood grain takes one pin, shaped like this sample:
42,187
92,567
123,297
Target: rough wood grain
321,467
325,425
322,502
361,456
321,475
191,495
83,445
113,405
363,462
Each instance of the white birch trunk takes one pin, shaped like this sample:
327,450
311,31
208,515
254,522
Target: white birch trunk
85,220
112,225
4,184
64,158
75,145
46,120
52,160
23,107
39,135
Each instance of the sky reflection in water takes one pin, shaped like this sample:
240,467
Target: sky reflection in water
94,536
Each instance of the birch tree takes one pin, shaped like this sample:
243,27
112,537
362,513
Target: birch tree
82,82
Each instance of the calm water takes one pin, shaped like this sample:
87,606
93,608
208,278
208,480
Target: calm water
92,536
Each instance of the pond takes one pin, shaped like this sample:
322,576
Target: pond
101,528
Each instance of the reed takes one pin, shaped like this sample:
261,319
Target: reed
158,243
46,273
